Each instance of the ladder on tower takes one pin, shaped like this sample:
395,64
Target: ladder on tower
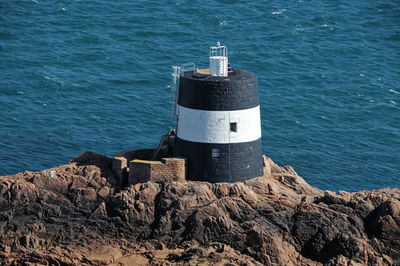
176,72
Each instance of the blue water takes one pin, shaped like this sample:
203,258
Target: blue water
95,75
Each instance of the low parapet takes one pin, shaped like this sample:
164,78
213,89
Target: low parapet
173,169
132,167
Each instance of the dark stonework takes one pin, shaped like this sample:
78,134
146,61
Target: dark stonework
204,92
229,162
237,161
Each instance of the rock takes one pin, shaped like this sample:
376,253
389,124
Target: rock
84,196
71,215
78,182
104,255
270,167
267,166
104,192
99,212
135,206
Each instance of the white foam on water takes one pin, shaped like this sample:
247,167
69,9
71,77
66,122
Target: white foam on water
393,91
224,22
276,13
56,80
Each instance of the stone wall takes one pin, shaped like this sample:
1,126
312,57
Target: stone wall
122,159
141,171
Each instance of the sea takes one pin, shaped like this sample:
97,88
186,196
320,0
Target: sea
96,75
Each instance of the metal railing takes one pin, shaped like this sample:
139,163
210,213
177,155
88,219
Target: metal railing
188,67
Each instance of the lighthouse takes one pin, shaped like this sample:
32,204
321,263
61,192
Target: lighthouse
218,125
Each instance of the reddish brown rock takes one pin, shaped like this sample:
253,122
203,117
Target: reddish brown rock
74,216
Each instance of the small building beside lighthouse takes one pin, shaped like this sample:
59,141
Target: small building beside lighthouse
217,136
218,126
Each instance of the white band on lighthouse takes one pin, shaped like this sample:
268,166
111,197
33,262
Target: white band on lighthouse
221,127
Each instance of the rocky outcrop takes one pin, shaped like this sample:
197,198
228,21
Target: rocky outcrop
77,214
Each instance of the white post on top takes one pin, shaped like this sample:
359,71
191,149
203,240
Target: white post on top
219,61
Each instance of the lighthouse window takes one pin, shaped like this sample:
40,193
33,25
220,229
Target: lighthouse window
215,153
234,127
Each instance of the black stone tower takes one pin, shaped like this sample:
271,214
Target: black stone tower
218,126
